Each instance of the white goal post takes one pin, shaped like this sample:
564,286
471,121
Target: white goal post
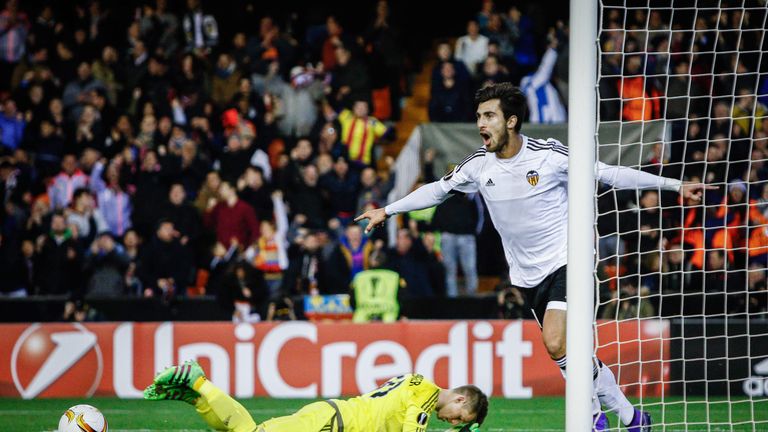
689,277
581,187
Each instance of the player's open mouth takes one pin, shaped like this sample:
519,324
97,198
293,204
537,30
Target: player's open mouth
486,138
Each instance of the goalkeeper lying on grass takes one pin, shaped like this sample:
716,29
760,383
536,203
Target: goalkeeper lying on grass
404,403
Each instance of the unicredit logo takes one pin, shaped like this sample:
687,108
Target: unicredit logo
56,356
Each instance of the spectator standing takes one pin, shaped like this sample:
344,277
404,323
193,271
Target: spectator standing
254,190
458,220
115,203
445,54
78,93
232,219
306,199
359,132
376,295
498,33
58,259
85,217
386,61
298,100
356,249
201,30
210,189
449,99
374,190
472,48
50,149
409,259
492,72
341,185
748,112
166,265
160,26
246,293
226,80
302,276
522,34
184,216
63,186
105,267
12,126
14,27
270,252
629,303
641,100
350,81
544,103
235,158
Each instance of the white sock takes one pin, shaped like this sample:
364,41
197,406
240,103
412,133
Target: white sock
611,396
595,405
561,363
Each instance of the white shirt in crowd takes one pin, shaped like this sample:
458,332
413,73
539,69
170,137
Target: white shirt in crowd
471,52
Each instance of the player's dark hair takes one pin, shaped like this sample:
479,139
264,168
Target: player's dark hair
476,400
511,100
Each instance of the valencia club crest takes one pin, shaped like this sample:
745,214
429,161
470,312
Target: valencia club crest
533,177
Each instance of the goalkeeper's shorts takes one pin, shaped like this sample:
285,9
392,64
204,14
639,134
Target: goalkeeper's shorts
315,417
549,294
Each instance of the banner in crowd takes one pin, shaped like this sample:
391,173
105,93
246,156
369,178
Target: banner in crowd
306,360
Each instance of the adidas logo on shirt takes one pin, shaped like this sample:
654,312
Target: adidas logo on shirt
490,183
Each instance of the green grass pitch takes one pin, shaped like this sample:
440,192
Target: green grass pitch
538,414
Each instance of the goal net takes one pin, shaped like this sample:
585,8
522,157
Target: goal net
683,93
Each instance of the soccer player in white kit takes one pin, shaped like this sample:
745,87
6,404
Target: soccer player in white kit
524,182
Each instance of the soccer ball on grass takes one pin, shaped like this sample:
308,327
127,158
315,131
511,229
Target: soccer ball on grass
83,418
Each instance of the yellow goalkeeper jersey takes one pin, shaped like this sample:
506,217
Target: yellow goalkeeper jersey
403,404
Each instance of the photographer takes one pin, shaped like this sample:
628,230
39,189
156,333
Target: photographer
629,303
105,265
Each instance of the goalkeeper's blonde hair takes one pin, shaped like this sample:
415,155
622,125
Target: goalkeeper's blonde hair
476,399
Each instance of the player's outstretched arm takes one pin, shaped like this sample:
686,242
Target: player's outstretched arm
429,195
622,177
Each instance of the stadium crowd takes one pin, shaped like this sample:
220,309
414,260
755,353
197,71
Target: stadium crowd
149,157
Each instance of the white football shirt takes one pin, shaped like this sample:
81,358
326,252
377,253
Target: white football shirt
527,198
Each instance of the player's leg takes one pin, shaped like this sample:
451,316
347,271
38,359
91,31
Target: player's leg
553,332
185,394
233,415
449,248
205,411
613,400
317,416
230,411
548,304
606,390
